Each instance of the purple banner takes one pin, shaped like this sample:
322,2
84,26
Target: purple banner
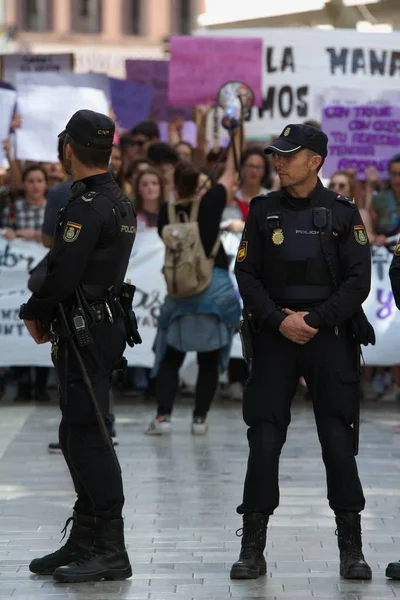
361,136
154,73
131,101
199,66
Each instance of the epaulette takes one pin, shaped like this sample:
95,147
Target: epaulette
264,196
346,200
89,196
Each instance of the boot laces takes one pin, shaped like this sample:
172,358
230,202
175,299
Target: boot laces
64,530
350,543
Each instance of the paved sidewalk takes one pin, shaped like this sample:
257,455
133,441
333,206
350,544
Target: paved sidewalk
181,494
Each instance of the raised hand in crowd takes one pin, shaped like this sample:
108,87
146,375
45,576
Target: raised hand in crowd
16,122
235,226
15,174
9,234
175,130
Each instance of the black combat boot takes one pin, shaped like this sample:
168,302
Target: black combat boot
251,563
107,559
80,541
352,561
393,570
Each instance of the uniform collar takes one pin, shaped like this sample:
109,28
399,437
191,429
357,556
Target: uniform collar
97,180
312,197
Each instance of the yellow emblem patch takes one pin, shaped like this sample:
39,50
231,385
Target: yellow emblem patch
287,131
242,252
397,250
71,231
278,237
360,235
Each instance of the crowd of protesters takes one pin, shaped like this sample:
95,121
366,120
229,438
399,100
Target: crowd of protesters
31,195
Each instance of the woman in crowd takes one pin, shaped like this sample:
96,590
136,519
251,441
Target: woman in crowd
23,218
344,184
255,169
204,323
136,167
149,197
185,151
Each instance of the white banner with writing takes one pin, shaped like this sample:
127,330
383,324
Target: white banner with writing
17,348
303,69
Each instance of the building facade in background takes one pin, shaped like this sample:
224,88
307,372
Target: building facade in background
101,33
364,15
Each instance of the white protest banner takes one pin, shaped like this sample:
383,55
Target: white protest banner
361,136
47,101
7,105
17,348
11,64
301,66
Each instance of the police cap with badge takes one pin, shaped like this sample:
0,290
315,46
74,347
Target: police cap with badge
295,138
90,129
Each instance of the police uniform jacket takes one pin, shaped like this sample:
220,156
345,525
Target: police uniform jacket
92,245
282,264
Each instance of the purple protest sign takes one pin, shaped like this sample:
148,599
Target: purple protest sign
361,136
130,101
199,66
154,73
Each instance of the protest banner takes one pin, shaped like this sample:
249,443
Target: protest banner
11,64
199,66
46,102
17,257
301,66
361,136
130,101
154,73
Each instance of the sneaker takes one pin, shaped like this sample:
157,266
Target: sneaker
236,391
158,427
54,448
199,426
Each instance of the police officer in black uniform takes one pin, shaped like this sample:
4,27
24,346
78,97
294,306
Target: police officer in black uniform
303,269
393,569
77,303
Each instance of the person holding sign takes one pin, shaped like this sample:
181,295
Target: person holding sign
304,269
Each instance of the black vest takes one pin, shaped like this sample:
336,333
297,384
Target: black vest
296,271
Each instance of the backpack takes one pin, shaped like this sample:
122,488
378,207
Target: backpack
187,269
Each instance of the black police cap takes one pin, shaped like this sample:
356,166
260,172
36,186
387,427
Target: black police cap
90,129
296,137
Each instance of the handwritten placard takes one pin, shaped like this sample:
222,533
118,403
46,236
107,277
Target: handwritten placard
131,101
199,66
46,102
11,64
361,136
154,73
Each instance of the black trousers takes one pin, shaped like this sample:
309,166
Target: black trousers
330,367
97,482
168,381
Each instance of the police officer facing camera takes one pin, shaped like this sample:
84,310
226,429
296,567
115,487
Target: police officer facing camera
303,269
77,307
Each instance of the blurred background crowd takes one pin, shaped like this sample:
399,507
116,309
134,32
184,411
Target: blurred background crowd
144,157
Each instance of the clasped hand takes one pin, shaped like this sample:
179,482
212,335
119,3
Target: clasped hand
295,329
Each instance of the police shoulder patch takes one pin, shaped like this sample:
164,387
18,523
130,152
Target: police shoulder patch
89,196
242,252
71,231
360,235
397,250
346,200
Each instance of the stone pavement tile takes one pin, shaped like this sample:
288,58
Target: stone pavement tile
181,496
